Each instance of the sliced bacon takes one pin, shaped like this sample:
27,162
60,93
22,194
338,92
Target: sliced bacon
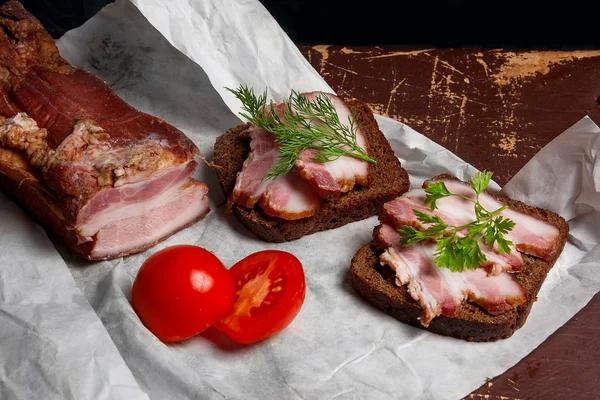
298,194
497,262
249,184
531,235
496,294
385,236
332,178
440,291
399,212
151,220
290,197
113,204
427,284
287,197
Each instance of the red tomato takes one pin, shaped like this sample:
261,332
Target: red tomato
270,291
180,291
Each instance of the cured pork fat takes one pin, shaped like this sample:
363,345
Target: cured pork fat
440,291
299,193
106,178
338,176
286,196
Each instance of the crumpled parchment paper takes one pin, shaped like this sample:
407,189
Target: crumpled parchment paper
173,59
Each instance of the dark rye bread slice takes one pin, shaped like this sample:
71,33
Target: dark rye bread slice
389,180
376,284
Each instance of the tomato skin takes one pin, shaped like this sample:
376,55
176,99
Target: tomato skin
180,291
270,290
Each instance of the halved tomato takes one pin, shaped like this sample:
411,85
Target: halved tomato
180,291
270,289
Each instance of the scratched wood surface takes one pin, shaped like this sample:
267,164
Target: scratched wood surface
495,109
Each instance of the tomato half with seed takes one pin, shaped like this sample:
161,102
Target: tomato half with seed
270,289
180,291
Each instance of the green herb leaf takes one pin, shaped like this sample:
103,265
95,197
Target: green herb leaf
435,191
457,247
475,230
411,235
495,231
427,219
458,254
304,125
481,180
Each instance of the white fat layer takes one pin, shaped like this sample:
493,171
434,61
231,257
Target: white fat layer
345,168
525,223
25,122
298,200
152,225
413,263
128,210
125,209
504,283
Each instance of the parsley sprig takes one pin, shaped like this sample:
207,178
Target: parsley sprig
303,125
455,249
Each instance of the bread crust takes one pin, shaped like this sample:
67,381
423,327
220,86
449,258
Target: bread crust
389,180
375,283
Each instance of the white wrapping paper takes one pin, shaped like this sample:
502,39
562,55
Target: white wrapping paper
52,344
338,346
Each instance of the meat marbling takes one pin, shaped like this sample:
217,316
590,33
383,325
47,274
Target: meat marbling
440,291
299,193
287,196
116,180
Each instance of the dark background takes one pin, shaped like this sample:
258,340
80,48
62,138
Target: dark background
451,23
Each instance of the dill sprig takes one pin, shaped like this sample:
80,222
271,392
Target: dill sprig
455,250
303,125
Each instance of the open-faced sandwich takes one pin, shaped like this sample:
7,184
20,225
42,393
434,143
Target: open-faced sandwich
308,164
107,179
456,260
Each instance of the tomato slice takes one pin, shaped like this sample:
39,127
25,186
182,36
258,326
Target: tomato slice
270,289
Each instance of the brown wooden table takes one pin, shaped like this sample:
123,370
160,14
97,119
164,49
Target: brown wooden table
495,109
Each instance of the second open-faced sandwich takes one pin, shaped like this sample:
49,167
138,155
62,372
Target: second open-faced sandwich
312,163
456,260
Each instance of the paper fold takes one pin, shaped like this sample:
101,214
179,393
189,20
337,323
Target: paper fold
225,36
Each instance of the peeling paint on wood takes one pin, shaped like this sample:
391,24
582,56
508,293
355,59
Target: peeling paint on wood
529,64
